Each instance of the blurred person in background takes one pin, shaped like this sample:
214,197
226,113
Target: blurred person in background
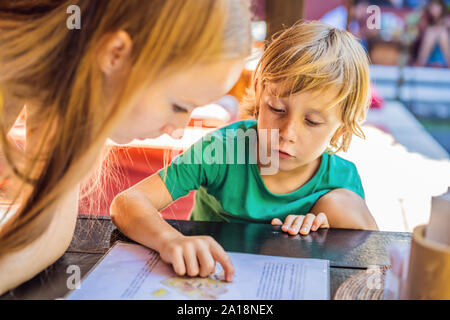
433,45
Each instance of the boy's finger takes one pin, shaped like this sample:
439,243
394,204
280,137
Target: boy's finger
224,259
207,264
295,227
178,264
307,223
288,222
321,221
317,223
325,223
190,259
276,222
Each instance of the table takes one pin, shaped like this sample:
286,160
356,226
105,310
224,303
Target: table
349,251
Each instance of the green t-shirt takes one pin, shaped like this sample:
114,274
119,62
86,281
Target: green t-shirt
234,191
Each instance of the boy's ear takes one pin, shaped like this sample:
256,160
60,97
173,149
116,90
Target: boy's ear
339,131
342,130
256,112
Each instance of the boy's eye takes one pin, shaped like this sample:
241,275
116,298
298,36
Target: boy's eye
177,108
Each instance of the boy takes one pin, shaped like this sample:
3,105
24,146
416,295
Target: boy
309,93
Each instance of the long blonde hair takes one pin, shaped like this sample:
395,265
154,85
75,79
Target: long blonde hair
54,69
312,55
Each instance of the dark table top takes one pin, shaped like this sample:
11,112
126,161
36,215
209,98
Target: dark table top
349,251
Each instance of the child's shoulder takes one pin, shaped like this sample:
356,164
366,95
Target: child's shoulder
343,173
241,124
340,167
337,161
234,135
238,129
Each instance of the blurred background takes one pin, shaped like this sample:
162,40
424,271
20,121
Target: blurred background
404,160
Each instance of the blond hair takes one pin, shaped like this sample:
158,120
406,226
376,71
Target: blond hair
45,64
315,56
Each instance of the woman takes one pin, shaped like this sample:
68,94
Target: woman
434,36
135,69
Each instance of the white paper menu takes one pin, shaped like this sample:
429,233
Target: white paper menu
132,271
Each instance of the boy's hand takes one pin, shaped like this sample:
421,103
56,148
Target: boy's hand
302,224
196,256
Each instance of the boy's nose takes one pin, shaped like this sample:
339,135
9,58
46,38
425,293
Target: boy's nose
288,132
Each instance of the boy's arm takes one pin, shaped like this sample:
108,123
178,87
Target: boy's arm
135,212
345,209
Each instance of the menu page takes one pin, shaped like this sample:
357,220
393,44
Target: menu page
132,271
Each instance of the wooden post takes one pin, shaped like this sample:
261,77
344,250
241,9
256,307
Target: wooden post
349,6
281,14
